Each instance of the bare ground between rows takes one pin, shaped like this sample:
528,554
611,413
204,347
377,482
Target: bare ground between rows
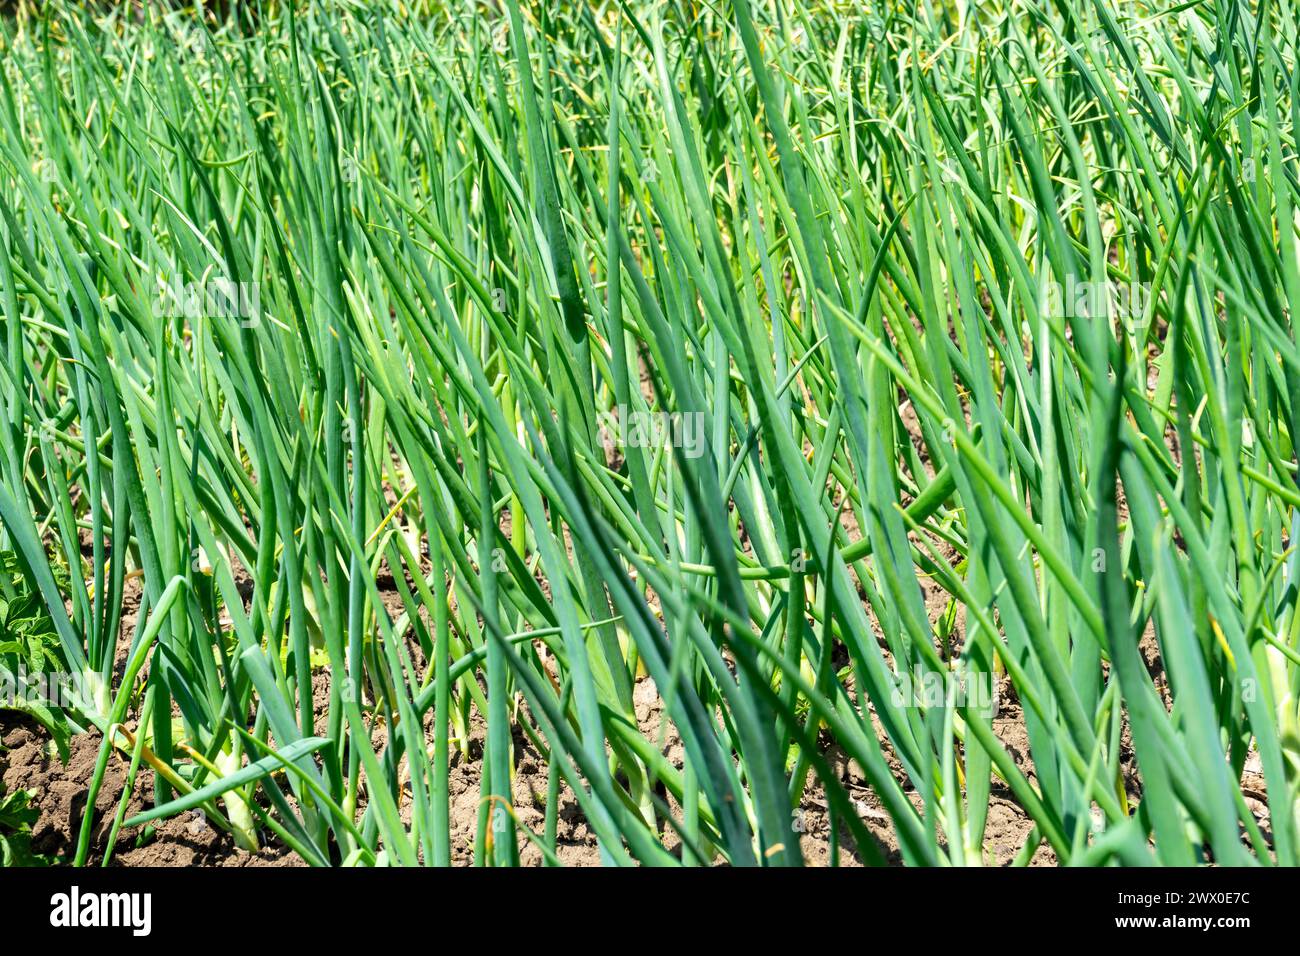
29,762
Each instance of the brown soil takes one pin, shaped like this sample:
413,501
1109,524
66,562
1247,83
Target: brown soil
27,762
